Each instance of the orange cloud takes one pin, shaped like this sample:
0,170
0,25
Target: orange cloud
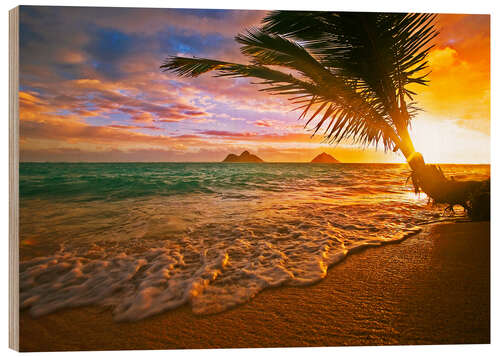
459,87
459,90
141,114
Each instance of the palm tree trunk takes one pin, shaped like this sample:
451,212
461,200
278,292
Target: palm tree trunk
473,196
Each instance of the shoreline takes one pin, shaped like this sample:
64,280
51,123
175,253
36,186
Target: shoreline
431,288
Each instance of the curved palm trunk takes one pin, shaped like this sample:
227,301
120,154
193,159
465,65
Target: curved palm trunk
474,196
371,112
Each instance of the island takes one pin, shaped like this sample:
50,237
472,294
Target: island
244,157
324,158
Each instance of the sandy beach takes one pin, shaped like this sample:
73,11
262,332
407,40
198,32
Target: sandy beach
187,178
433,288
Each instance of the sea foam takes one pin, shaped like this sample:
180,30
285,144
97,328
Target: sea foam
140,255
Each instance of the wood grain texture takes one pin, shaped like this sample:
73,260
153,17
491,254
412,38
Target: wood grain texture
14,178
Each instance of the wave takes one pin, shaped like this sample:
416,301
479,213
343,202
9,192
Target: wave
87,182
139,285
211,236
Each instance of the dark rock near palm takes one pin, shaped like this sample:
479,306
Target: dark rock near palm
351,74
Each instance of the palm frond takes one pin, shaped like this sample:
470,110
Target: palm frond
191,67
352,69
278,81
340,102
383,52
267,49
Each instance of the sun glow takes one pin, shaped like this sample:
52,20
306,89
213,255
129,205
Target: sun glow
102,106
443,141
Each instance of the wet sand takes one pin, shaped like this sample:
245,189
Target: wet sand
433,288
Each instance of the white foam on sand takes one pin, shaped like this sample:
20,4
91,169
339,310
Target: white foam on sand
211,278
141,256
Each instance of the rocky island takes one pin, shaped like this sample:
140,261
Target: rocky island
244,157
324,158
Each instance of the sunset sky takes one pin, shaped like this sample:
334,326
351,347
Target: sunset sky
91,90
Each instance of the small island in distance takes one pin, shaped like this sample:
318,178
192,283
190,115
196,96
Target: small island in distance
247,157
244,157
325,158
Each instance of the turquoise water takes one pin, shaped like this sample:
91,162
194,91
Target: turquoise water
115,181
143,238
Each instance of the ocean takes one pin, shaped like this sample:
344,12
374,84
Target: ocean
143,238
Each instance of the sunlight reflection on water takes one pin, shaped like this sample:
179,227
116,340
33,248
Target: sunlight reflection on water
144,238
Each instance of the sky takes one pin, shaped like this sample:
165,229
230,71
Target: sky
92,90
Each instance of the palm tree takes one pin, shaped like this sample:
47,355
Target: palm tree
354,77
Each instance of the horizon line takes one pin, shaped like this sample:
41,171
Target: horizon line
221,162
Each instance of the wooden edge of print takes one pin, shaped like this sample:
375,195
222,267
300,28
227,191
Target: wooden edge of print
14,178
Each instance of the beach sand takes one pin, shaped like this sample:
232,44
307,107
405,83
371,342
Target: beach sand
433,288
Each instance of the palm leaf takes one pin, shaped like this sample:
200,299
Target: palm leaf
351,70
383,52
318,94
